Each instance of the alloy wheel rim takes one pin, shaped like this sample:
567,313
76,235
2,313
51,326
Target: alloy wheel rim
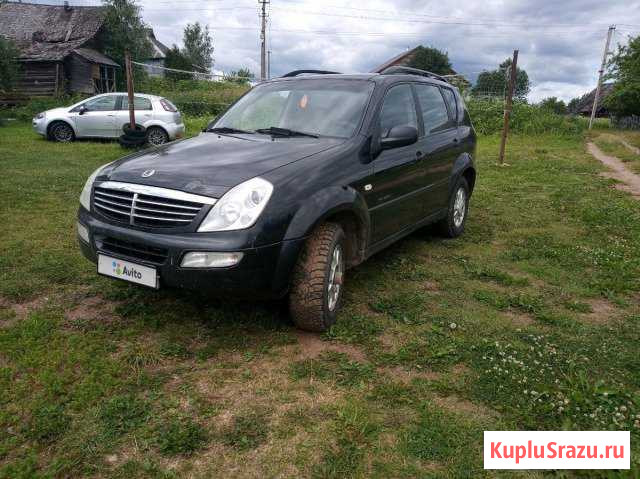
62,133
336,274
156,137
459,207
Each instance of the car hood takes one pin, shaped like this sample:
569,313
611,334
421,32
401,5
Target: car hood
57,111
210,163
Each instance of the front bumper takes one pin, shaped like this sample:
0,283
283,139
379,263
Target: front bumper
263,272
40,126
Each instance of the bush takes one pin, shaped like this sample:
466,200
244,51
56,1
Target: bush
488,116
27,111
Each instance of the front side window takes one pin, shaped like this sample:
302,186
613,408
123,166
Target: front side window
104,103
434,110
139,103
398,109
321,107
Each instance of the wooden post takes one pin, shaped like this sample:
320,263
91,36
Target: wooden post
132,114
509,104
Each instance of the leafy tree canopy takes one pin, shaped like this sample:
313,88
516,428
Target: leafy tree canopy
176,60
241,76
433,60
8,64
495,82
125,30
624,99
198,47
553,104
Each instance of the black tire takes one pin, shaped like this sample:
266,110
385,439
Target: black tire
157,135
451,226
138,132
128,142
311,305
61,132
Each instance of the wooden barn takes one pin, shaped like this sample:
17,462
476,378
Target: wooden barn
585,105
60,48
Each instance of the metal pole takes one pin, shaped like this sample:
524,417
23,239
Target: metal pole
132,115
594,109
509,104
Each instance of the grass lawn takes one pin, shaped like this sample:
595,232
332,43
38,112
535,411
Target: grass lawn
529,321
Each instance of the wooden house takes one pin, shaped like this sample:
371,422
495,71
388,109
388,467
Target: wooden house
60,48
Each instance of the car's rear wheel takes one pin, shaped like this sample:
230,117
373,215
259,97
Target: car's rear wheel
157,136
453,224
318,279
61,132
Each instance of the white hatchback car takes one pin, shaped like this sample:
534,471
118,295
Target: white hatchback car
103,116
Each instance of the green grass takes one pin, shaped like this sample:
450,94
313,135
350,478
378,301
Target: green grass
531,320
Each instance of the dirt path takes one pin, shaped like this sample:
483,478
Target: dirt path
629,181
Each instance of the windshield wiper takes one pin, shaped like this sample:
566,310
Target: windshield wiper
274,130
226,129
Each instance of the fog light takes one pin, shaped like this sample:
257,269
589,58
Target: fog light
83,232
200,259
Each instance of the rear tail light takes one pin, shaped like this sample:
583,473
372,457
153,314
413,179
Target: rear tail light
168,106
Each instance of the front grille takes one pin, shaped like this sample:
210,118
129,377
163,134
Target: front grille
138,251
143,209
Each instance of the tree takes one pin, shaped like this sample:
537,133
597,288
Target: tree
432,60
624,99
553,104
494,83
176,60
198,47
242,76
125,30
8,64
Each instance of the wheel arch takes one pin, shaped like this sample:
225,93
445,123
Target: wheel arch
463,167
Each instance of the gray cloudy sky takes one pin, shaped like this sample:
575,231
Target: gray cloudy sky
560,41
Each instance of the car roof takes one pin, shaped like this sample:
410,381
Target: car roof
382,78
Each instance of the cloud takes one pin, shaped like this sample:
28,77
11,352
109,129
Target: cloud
560,43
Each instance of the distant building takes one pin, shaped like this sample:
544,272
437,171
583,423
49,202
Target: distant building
585,105
158,56
403,59
60,48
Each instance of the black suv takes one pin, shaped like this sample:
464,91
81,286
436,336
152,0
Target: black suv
300,179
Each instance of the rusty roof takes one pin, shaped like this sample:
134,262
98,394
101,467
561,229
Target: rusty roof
49,32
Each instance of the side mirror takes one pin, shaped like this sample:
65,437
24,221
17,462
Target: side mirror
399,136
83,109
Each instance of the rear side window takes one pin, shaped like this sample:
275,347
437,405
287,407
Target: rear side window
434,110
450,98
139,103
398,109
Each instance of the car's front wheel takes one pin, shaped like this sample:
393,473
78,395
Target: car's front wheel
62,132
318,279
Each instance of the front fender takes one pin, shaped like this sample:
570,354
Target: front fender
325,203
66,120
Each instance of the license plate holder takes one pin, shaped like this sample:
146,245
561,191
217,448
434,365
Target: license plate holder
128,271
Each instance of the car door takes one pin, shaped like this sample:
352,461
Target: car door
394,200
142,107
96,117
439,144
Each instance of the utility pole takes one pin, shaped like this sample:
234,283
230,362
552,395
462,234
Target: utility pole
594,109
509,104
263,40
268,64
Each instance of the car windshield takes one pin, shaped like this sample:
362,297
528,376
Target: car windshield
327,107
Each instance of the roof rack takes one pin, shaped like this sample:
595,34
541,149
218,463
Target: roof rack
412,71
295,73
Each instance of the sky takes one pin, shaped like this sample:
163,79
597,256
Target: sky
560,41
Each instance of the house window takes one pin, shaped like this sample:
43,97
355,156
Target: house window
107,81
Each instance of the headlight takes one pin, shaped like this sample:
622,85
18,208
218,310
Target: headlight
239,208
39,116
85,196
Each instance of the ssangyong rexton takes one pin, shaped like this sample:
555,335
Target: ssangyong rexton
299,180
